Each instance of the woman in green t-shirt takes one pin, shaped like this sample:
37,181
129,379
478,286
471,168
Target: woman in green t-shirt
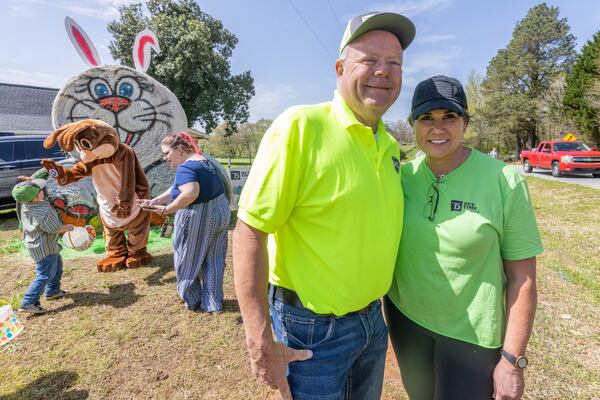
463,298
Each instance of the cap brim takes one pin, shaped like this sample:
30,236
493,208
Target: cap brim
435,104
41,183
400,26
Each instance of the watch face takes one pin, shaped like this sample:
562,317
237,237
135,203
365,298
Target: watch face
522,362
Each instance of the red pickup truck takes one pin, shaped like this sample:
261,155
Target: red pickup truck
561,156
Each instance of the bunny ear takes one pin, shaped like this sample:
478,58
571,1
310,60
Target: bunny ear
56,136
84,46
144,42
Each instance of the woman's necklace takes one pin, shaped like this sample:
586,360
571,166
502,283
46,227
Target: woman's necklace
443,171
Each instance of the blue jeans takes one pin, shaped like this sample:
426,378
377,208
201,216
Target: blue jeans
48,273
348,352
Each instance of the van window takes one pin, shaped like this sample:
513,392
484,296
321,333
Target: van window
36,150
6,152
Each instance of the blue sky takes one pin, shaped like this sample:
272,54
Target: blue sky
290,64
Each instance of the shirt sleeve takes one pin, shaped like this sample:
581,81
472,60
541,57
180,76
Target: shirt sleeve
184,175
273,185
521,237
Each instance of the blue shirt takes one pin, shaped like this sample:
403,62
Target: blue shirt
41,224
201,172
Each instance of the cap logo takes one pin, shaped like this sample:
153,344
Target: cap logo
366,17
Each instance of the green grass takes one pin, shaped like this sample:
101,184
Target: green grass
125,335
235,162
410,150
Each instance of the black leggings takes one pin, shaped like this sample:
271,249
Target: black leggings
436,367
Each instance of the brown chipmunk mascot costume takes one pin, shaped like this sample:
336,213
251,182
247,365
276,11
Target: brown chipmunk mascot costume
119,181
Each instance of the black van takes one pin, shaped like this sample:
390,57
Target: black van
21,155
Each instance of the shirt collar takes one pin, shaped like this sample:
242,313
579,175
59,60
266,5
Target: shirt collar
347,117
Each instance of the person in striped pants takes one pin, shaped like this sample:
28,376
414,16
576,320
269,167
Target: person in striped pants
200,229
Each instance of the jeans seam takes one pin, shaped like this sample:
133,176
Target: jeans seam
349,386
367,331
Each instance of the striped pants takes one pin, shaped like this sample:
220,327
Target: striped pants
199,249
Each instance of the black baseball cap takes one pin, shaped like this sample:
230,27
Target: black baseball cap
394,23
438,92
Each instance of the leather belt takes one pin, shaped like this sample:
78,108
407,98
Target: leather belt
289,297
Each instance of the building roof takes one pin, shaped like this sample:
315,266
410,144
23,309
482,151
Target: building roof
26,109
196,134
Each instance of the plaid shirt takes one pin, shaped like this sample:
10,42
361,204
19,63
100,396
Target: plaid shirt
41,224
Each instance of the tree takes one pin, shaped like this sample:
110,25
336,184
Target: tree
401,130
244,143
519,75
194,59
250,135
580,81
477,133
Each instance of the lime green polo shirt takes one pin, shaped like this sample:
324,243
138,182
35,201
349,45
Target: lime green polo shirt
449,274
331,199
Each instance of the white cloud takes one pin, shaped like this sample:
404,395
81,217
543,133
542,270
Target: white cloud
438,62
33,78
102,9
411,9
270,101
435,38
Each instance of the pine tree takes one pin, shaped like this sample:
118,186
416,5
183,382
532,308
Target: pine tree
519,75
581,83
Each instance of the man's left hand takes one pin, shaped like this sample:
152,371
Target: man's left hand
509,381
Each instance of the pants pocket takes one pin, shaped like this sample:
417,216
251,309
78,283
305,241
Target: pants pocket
307,332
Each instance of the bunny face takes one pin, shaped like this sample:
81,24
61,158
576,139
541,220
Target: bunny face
92,138
141,110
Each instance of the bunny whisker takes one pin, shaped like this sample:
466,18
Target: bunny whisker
154,113
167,123
156,106
145,115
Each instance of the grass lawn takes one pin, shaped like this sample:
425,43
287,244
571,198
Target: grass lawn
235,162
125,335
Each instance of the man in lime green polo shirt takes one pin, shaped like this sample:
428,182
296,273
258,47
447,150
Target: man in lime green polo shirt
319,223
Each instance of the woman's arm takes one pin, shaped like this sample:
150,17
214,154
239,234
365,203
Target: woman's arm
521,301
189,193
162,198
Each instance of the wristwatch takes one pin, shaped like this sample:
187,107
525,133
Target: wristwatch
520,362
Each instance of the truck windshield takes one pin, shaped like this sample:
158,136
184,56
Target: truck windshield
571,146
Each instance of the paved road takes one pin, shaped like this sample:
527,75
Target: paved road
583,180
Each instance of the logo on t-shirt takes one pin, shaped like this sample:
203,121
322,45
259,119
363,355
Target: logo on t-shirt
396,164
457,205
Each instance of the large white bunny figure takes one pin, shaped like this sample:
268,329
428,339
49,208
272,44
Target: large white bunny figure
142,110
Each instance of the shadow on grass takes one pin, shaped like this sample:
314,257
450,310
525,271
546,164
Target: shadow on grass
8,221
164,262
231,305
53,386
118,296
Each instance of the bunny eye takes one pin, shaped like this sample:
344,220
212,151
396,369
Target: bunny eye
84,144
99,88
129,88
125,90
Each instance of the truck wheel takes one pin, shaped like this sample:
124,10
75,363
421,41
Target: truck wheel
526,166
555,169
596,175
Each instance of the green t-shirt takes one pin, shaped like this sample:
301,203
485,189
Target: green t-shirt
331,198
449,275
